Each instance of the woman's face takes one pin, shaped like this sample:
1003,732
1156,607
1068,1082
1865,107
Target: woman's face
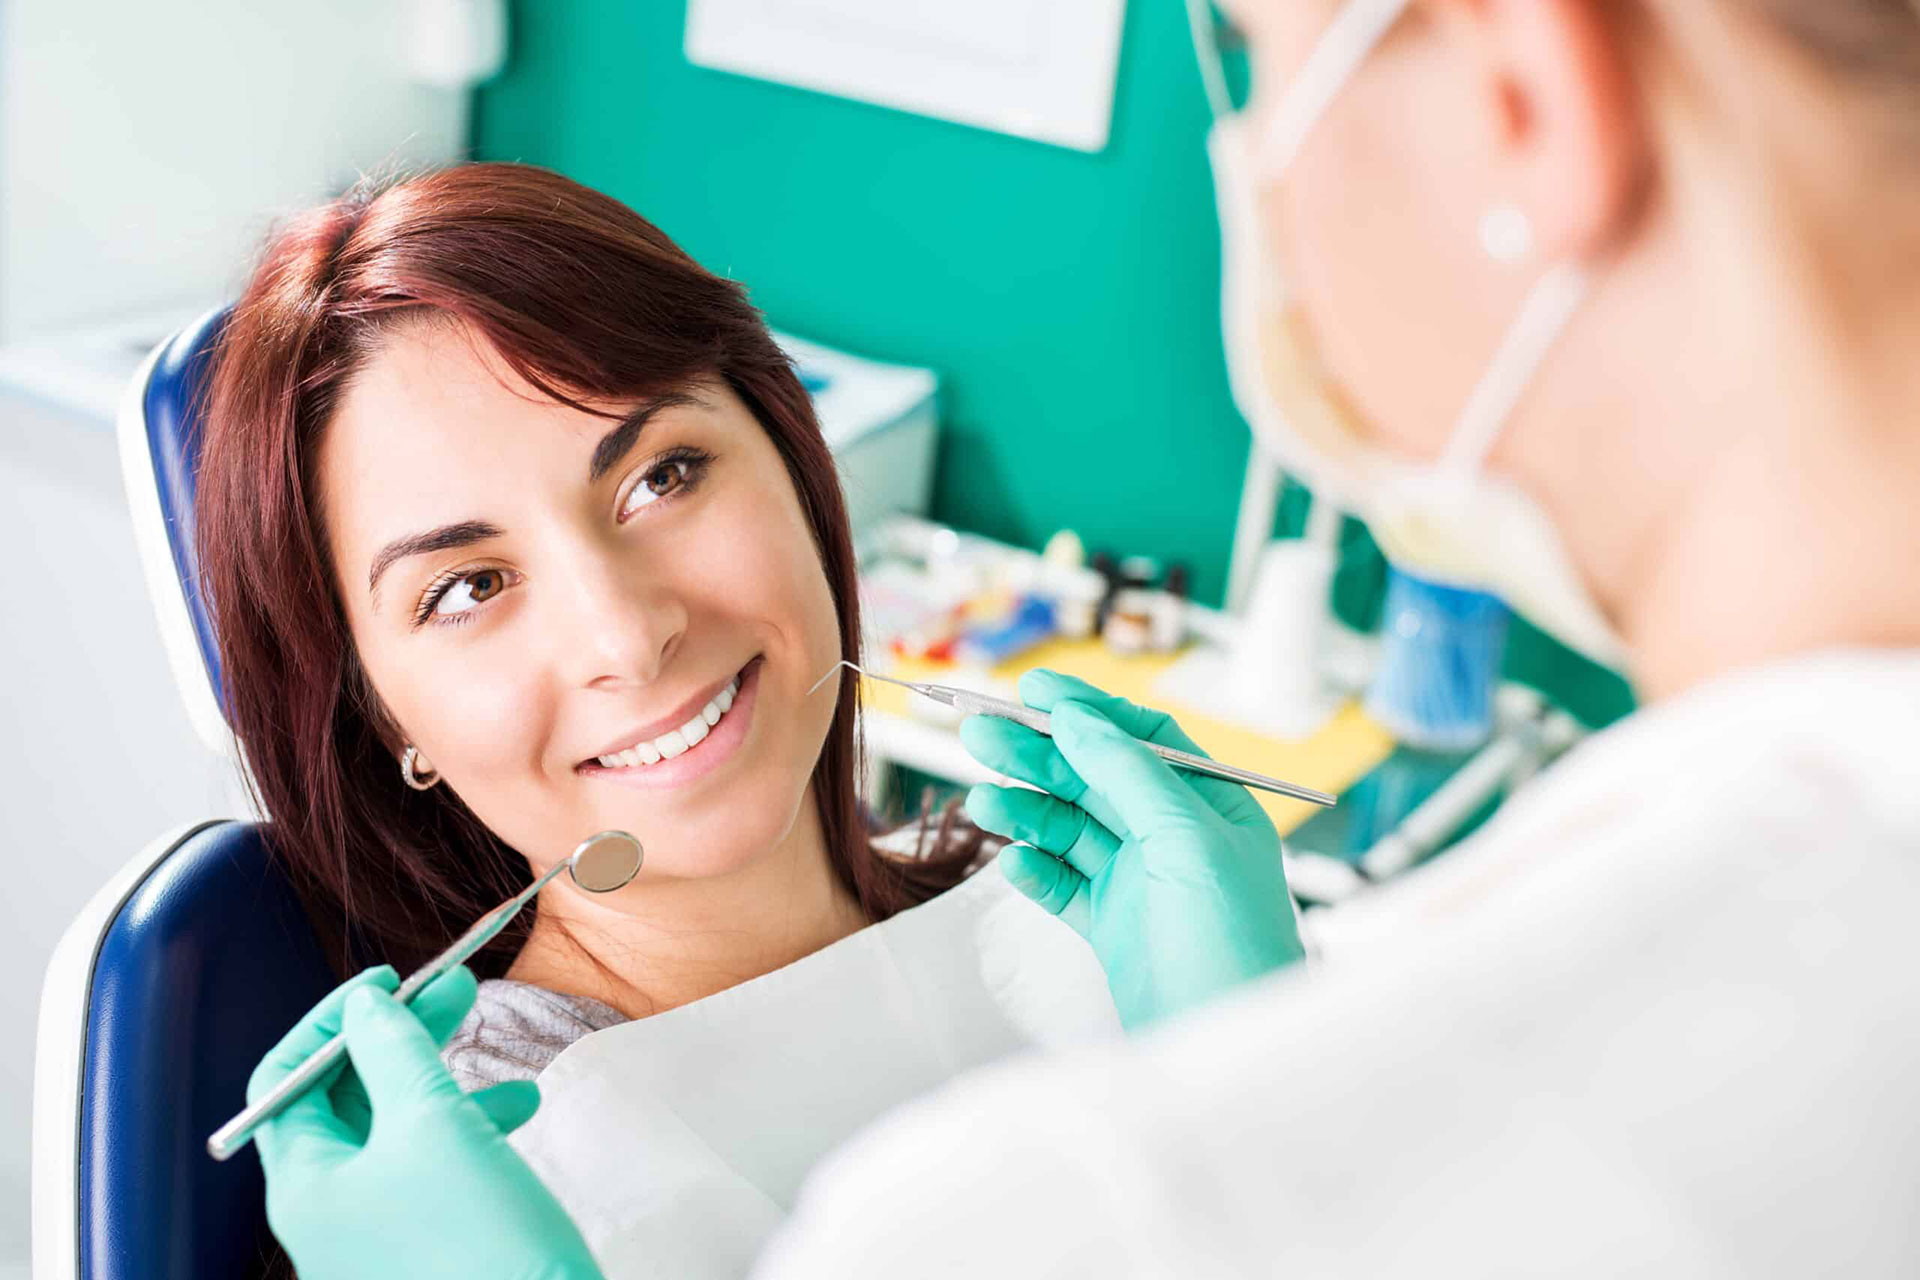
534,590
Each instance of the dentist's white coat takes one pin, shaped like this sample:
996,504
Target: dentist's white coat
1662,1016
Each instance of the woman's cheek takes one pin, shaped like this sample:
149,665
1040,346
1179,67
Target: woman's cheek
485,718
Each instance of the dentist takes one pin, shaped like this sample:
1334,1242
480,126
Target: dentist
1609,306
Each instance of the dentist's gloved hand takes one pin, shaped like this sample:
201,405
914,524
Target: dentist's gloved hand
388,1170
1175,879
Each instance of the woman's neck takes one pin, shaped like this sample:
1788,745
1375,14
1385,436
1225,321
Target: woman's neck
668,942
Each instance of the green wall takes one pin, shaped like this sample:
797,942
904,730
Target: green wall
1070,302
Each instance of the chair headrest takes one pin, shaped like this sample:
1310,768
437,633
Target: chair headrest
160,433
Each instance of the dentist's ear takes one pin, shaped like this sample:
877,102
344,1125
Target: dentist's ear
1570,146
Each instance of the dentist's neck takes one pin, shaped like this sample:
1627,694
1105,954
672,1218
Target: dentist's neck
1758,401
662,943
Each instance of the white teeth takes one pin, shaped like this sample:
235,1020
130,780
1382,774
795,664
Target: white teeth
678,741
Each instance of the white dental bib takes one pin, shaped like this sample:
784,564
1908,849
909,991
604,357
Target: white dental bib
678,1142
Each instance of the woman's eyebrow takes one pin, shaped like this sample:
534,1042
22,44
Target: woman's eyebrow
444,538
606,455
614,445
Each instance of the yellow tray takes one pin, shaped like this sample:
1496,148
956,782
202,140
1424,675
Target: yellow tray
1346,748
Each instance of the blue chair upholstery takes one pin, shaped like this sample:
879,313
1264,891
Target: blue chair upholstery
171,403
205,965
180,974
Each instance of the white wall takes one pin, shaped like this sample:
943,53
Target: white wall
144,151
144,147
96,755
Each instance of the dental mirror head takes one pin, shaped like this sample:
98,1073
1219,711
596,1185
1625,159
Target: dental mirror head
605,862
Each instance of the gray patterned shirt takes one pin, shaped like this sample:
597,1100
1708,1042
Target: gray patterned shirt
515,1029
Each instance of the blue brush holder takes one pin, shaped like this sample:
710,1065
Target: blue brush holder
1440,652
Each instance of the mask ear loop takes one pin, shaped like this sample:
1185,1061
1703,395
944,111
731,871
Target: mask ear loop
1206,50
1343,47
1542,320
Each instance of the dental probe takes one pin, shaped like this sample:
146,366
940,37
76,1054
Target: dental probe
968,702
599,864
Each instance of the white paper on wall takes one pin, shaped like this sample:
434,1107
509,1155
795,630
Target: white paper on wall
1039,69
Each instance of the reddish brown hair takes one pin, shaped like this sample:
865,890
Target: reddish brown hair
587,301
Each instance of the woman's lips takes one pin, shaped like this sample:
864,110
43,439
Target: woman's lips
704,756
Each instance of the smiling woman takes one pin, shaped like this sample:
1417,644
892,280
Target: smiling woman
519,526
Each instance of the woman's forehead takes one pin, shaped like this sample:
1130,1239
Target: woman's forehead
438,393
436,426
431,404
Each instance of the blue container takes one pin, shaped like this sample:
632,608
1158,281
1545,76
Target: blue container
1440,651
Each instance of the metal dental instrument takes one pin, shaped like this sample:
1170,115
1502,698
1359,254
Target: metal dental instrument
599,864
968,702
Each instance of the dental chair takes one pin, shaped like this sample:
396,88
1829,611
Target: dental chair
182,971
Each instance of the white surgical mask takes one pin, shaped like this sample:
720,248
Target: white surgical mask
1449,519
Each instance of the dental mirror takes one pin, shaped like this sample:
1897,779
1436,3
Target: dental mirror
605,862
599,864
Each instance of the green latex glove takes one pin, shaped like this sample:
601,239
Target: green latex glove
1175,879
389,1170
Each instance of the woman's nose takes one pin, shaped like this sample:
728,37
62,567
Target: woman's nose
616,627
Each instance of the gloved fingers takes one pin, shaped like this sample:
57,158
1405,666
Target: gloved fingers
1064,830
1044,690
509,1105
1050,882
441,1007
329,1121
1020,753
1141,787
396,1056
444,1003
321,1024
308,1133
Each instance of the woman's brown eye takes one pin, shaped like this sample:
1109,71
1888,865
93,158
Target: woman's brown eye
468,591
662,481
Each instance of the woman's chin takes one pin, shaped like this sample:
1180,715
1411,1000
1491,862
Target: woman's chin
711,842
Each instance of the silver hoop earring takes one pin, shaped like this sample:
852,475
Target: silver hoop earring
1506,233
413,779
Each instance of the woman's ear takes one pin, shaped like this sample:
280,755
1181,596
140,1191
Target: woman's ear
1569,145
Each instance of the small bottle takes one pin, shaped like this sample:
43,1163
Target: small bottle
1129,628
1170,611
1064,550
1139,571
1103,565
1076,596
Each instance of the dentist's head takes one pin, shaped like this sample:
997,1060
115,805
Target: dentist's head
1606,305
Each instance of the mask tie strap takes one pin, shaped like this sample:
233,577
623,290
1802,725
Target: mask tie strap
1542,319
1206,51
1354,34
